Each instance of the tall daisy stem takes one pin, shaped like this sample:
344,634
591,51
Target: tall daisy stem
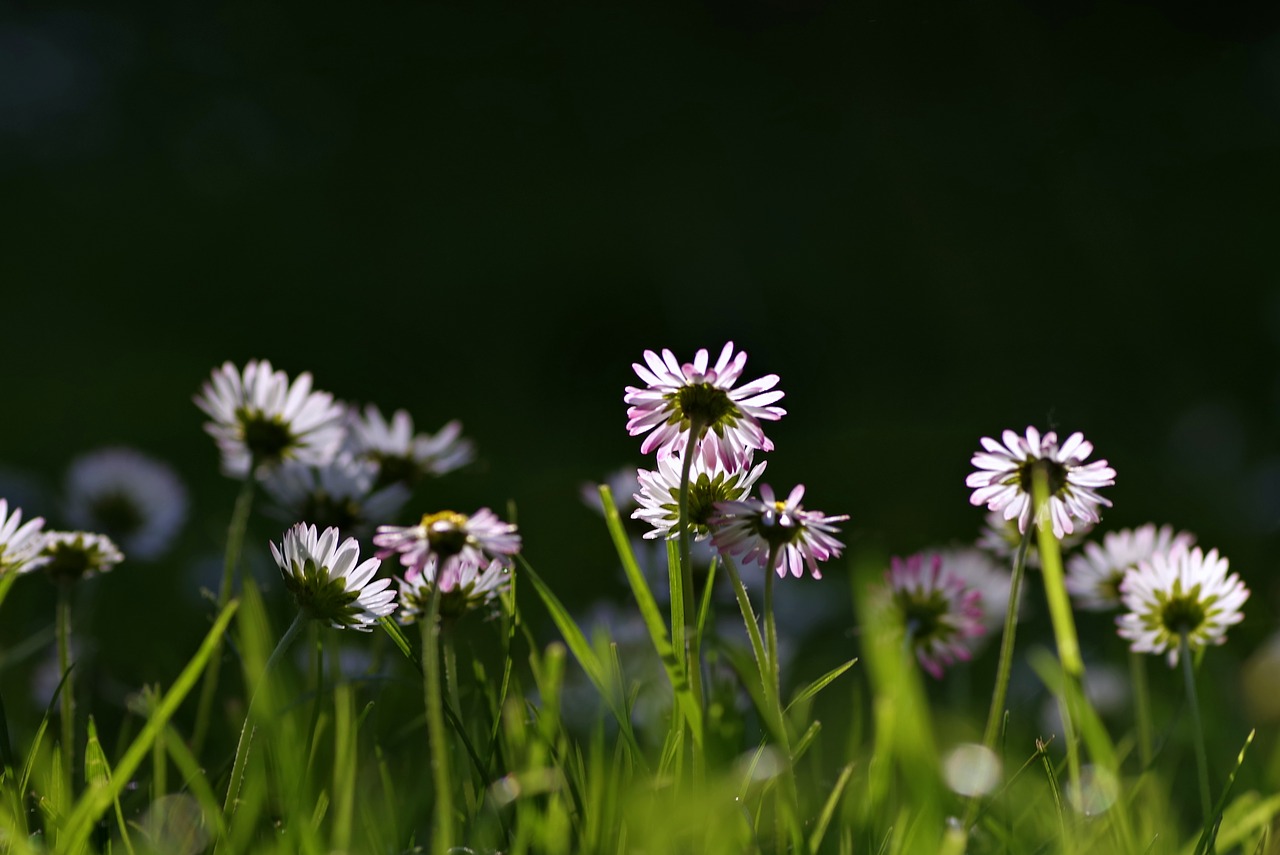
1193,702
67,698
771,625
686,635
235,543
437,736
1001,691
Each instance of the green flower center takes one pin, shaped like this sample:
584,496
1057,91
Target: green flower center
1183,614
446,532
322,598
71,561
118,514
704,403
325,511
704,492
923,615
399,469
1056,471
268,439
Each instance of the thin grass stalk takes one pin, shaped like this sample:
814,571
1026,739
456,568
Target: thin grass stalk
67,698
231,561
1001,690
437,736
1193,702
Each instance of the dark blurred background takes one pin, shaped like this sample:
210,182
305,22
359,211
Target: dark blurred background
933,221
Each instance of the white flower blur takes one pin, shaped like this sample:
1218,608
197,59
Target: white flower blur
329,582
449,535
464,586
73,555
339,494
136,500
675,396
980,572
622,486
20,545
1184,591
940,612
764,527
260,419
402,455
659,495
1000,537
1003,478
1094,575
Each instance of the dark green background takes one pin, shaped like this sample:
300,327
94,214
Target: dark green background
933,221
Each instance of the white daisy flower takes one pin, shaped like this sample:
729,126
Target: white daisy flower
676,395
464,586
475,539
1004,476
326,581
941,613
1000,537
755,527
402,455
20,545
1182,591
259,417
659,495
339,494
134,499
1094,575
74,555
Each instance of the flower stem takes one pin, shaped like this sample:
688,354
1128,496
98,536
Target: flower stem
67,698
248,729
436,735
1202,757
686,638
770,624
235,542
1142,706
1001,691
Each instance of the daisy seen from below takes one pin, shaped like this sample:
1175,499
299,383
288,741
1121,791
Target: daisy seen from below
403,456
940,612
979,572
21,544
136,500
464,586
1000,537
698,397
453,538
74,555
1003,480
1094,574
1184,592
329,582
260,419
782,533
709,483
339,494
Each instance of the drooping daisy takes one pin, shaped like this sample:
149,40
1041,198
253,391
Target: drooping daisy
757,528
475,539
20,545
259,416
981,573
403,456
1004,477
1000,537
329,582
464,586
659,495
338,495
941,613
1182,591
676,396
1094,575
74,555
134,499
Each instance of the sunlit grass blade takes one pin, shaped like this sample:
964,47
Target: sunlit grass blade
29,763
819,684
96,799
97,773
829,809
1208,836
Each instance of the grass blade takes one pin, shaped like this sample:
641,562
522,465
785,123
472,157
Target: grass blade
829,809
819,684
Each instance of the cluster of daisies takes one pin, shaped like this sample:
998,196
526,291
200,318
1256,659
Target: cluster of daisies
705,434
334,468
1168,588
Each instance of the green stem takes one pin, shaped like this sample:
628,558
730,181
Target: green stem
1202,757
1142,706
436,734
770,624
1001,691
248,729
687,640
235,543
67,698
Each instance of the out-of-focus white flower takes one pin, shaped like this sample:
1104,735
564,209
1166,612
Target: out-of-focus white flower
403,456
1001,538
74,555
339,494
134,499
1094,575
940,612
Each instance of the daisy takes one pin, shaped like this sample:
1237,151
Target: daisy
73,555
1004,476
327,582
1094,576
676,397
709,483
1000,537
979,572
339,494
260,418
134,499
463,587
402,455
475,539
942,614
765,528
1183,592
20,545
